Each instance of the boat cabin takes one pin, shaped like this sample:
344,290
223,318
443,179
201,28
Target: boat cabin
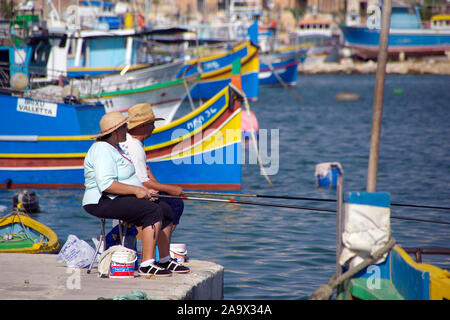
440,22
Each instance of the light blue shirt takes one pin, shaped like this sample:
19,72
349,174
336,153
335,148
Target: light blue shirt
103,165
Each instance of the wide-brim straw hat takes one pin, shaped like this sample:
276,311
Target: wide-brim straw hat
110,122
140,114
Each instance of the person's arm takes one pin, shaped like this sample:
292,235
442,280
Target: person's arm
173,190
145,175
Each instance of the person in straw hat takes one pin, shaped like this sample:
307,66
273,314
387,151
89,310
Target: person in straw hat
140,127
113,191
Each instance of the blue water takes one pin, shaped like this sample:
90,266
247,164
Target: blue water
275,253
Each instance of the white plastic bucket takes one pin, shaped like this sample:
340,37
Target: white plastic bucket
122,265
178,252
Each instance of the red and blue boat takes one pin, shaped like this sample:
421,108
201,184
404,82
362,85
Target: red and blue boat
43,143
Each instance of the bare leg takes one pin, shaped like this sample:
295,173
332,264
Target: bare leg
149,236
174,226
164,241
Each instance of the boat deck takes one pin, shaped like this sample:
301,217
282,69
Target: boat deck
42,277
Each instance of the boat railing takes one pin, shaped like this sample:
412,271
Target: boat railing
419,251
36,87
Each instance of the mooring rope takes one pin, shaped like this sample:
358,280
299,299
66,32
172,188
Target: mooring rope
325,291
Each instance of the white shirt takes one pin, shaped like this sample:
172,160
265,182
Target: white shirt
134,150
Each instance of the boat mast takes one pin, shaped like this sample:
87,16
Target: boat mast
378,98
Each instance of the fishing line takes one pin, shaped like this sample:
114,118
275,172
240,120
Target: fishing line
281,206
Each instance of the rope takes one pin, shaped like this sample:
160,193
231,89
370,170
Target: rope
252,133
18,212
188,92
134,295
325,291
283,83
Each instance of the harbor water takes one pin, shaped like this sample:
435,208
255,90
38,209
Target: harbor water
280,253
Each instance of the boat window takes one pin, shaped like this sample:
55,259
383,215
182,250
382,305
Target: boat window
39,58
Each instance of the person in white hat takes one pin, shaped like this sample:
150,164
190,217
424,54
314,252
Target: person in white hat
140,127
113,191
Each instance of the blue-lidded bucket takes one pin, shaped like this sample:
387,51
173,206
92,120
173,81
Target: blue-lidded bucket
327,174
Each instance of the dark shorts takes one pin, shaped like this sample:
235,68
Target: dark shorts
140,212
177,206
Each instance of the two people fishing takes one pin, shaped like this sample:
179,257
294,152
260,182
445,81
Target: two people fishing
114,190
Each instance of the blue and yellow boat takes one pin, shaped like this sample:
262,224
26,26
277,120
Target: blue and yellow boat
400,278
215,71
280,68
369,266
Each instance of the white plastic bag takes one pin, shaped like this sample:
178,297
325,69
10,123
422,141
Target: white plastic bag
76,253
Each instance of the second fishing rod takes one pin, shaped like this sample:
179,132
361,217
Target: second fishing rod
247,195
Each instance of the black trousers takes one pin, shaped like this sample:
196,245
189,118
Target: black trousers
140,212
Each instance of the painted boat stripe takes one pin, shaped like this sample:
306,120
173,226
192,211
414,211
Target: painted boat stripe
189,147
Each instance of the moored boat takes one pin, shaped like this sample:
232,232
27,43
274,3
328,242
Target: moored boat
407,35
215,71
113,67
280,68
43,143
393,275
369,264
21,234
320,39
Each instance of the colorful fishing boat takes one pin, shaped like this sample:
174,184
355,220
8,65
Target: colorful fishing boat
155,85
96,14
117,91
215,71
394,275
281,66
407,35
43,144
21,234
320,40
369,265
100,52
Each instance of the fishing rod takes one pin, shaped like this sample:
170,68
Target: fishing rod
243,202
280,206
306,198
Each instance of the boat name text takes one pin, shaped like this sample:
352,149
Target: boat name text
37,107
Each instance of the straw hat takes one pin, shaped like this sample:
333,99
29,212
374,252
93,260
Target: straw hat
139,114
110,122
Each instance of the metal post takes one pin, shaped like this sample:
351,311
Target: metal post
378,98
339,221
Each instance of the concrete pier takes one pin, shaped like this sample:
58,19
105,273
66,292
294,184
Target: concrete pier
40,276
